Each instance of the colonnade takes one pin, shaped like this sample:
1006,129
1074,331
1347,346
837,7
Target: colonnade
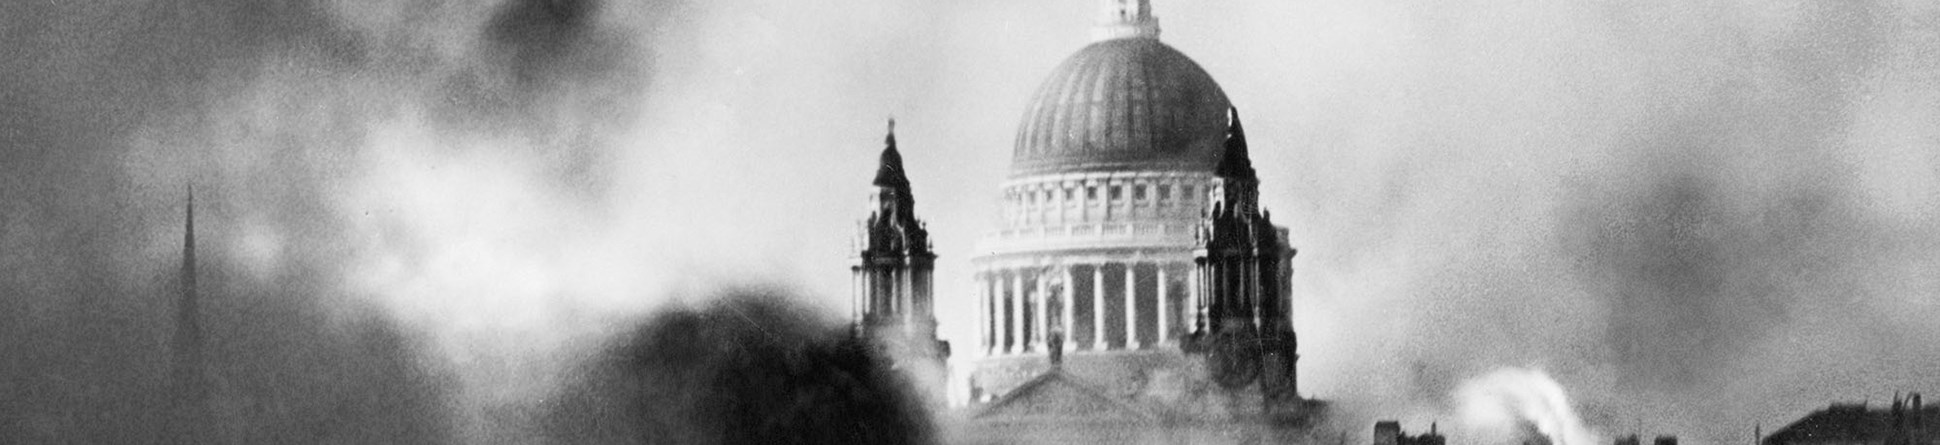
1098,305
1110,196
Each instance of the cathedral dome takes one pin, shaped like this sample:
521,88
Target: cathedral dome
1122,104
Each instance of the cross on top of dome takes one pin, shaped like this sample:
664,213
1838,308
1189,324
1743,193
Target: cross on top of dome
1120,19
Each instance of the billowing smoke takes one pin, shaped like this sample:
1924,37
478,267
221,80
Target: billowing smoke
1695,216
1497,406
388,192
753,367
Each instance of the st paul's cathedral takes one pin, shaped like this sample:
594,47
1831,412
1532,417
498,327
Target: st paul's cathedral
1135,291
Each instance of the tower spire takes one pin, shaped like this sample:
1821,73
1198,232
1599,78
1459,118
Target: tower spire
1235,162
188,245
1120,19
889,168
189,417
892,303
1245,322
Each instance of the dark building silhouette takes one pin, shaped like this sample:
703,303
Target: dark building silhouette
1906,422
893,303
1244,328
189,419
1388,432
1634,439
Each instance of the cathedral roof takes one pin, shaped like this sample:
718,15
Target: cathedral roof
1130,103
1062,396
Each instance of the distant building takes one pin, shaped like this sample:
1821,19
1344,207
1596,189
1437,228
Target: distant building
1388,432
1905,422
1634,439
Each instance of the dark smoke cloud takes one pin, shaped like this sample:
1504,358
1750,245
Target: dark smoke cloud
753,367
272,109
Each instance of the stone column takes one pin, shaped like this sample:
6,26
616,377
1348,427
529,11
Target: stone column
1162,306
905,295
1042,318
1065,297
1131,305
1017,311
1196,297
1098,307
995,313
894,295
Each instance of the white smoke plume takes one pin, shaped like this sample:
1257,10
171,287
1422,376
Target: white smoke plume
1499,404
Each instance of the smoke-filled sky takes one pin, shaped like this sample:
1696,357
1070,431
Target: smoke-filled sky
1695,216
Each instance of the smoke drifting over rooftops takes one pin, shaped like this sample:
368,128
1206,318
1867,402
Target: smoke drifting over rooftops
417,216
753,367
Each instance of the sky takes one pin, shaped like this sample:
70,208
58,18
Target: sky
1696,217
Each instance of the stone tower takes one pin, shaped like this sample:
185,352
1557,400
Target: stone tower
893,305
1244,326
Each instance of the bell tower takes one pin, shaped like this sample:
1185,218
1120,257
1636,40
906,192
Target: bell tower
893,305
1244,326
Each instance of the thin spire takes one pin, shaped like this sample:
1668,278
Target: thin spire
190,418
1119,19
188,239
188,324
889,171
1235,162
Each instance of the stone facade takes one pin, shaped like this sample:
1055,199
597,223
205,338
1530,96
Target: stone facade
1134,291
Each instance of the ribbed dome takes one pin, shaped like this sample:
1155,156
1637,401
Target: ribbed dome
1122,104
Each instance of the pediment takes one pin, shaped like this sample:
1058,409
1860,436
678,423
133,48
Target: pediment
1056,395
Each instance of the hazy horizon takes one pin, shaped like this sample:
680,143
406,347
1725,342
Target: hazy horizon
1695,217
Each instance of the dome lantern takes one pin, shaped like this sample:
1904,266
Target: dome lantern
1120,19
